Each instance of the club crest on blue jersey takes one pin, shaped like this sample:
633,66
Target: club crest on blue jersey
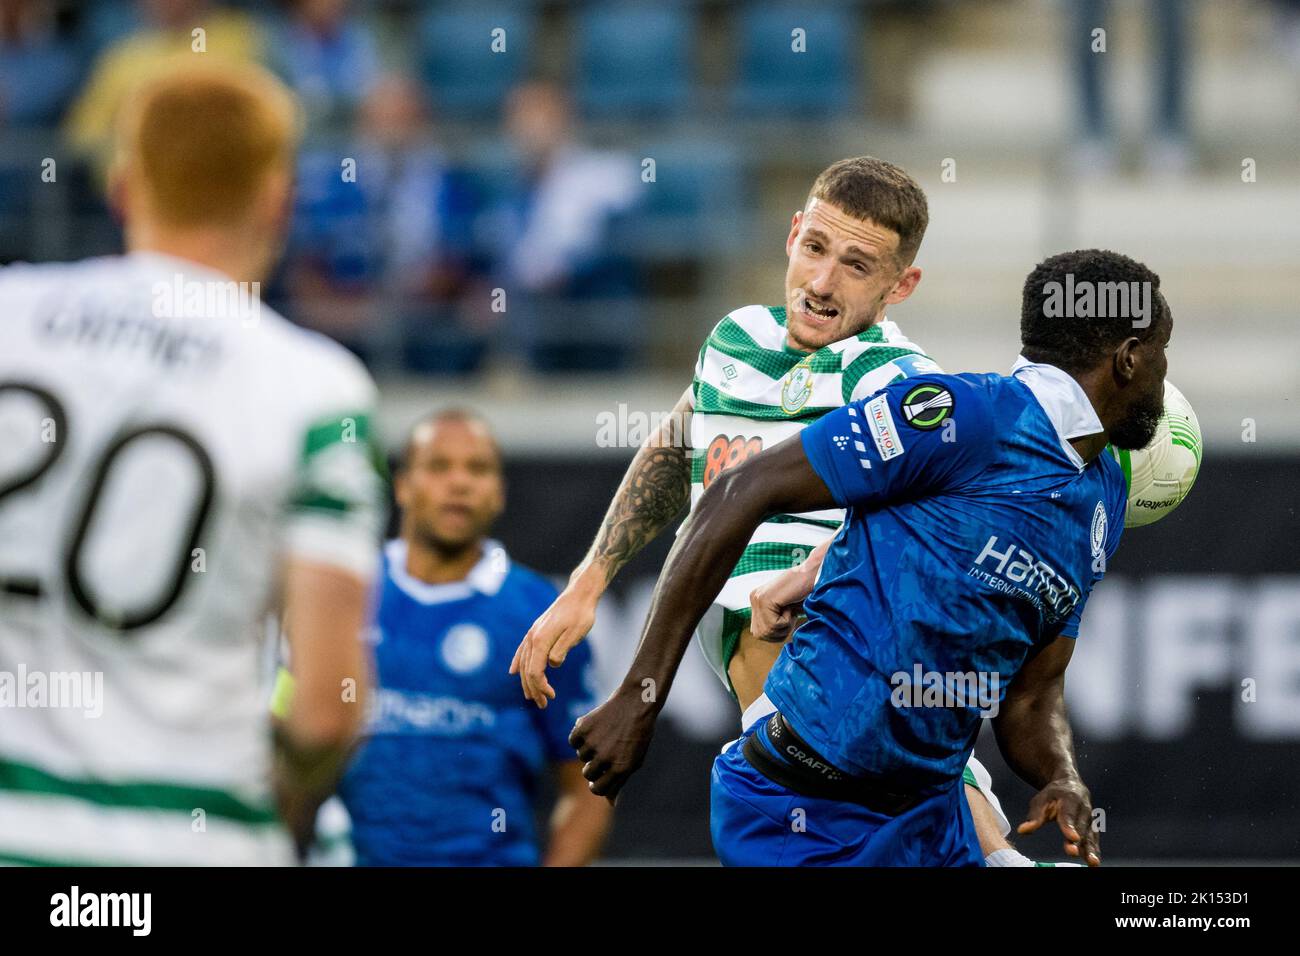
465,648
1098,529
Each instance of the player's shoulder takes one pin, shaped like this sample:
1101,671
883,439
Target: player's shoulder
20,284
19,277
50,289
884,339
528,585
878,356
326,378
761,326
929,399
339,371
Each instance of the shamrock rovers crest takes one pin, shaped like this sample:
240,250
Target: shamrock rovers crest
797,388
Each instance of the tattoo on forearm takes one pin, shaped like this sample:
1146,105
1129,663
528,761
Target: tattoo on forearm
651,496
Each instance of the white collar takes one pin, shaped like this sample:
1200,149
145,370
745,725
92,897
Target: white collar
1067,405
175,265
486,577
889,330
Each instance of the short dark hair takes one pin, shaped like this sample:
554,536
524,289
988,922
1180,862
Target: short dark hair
1078,343
870,188
453,413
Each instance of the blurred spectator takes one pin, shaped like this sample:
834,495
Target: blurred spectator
551,233
1168,148
382,259
38,75
38,68
167,38
328,57
106,22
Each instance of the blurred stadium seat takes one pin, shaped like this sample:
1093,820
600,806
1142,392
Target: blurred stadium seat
456,58
633,59
38,76
107,22
695,206
774,80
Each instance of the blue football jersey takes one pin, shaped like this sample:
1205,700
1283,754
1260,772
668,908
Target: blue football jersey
453,752
974,534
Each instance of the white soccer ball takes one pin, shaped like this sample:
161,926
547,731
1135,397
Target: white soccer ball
1160,475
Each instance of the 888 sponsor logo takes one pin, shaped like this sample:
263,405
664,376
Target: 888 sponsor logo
725,451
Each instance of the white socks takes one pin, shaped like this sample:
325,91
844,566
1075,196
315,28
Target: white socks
1008,857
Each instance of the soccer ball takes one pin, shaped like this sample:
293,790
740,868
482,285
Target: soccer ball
1160,475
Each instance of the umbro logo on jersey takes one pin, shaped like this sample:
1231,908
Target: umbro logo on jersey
927,406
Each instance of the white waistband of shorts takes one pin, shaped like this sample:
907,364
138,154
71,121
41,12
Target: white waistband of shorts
756,711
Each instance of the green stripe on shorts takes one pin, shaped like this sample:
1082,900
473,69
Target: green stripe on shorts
138,795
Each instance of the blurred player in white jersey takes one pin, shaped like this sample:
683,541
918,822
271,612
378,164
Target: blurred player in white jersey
178,461
764,373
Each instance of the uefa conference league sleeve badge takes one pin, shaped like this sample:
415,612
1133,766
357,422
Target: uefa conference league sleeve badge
927,406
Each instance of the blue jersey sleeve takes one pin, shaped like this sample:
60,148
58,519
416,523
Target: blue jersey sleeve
1116,506
915,436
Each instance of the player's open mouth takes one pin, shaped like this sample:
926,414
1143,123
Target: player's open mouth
822,313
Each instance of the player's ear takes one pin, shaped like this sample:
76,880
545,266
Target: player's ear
1127,359
500,498
401,488
905,285
118,190
795,221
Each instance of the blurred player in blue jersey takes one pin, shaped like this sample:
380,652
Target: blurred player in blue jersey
982,510
450,770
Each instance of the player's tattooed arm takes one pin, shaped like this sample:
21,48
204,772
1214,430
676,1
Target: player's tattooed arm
1033,733
612,739
653,493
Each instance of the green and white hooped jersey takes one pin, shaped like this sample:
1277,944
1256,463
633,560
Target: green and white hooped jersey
752,391
158,466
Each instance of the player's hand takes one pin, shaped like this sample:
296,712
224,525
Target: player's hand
612,740
1070,805
771,620
548,642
